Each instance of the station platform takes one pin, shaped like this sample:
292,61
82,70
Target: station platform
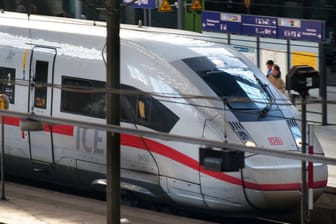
325,207
31,205
325,134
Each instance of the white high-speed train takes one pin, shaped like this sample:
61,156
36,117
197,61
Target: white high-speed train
52,66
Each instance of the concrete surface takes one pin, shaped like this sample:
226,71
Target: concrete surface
326,134
31,205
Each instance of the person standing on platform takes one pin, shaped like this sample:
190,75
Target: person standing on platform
269,65
275,78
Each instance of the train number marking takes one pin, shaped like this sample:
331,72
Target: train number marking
90,140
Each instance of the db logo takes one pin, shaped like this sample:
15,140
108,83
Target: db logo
275,140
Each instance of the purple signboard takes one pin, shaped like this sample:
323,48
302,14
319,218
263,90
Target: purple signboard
308,30
210,21
221,22
259,26
263,26
144,4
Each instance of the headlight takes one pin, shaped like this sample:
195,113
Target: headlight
246,138
250,144
296,132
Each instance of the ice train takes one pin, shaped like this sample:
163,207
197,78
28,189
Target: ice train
49,65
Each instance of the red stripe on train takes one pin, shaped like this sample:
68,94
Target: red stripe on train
61,129
163,150
14,121
144,144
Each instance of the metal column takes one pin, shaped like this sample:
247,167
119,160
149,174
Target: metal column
112,111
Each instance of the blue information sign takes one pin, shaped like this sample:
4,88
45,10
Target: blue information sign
145,4
264,26
210,21
221,22
259,26
296,29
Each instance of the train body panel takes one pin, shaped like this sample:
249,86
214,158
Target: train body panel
174,82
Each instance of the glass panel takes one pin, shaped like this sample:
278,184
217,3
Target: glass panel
81,96
41,81
146,111
231,80
7,83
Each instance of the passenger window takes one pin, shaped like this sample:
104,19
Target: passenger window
41,82
142,109
7,83
81,96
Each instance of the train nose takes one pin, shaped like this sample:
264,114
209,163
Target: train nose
275,183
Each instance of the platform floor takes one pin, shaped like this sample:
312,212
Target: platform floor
31,205
325,134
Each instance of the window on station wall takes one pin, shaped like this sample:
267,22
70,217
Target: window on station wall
293,9
7,83
223,6
83,96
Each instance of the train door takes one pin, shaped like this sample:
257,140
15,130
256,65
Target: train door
41,101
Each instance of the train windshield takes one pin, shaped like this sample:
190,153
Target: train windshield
231,80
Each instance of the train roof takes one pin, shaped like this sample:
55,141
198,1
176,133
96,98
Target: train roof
170,44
